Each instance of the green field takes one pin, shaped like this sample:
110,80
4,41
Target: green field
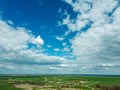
59,82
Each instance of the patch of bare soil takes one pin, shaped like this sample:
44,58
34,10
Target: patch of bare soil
30,87
69,89
25,86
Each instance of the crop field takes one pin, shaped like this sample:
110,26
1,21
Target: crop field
59,82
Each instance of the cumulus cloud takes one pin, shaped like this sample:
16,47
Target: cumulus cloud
49,46
89,11
56,49
64,44
12,39
38,41
15,47
59,38
7,66
98,26
75,68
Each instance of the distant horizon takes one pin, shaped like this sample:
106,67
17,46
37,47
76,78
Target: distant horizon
59,75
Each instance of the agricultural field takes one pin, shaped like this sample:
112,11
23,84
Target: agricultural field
59,82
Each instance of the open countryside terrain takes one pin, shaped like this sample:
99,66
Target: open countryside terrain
59,82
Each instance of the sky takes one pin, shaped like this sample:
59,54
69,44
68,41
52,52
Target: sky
60,37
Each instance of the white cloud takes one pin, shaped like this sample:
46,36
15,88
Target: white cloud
12,39
101,42
54,68
14,47
56,49
68,1
66,49
38,41
59,38
49,46
7,66
89,10
106,65
64,44
10,22
68,65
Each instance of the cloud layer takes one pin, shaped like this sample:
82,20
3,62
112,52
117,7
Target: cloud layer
18,47
98,30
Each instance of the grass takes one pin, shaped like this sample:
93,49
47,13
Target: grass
62,81
7,86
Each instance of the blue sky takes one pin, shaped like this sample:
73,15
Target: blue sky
59,37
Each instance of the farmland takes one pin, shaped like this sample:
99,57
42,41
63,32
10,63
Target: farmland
59,82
